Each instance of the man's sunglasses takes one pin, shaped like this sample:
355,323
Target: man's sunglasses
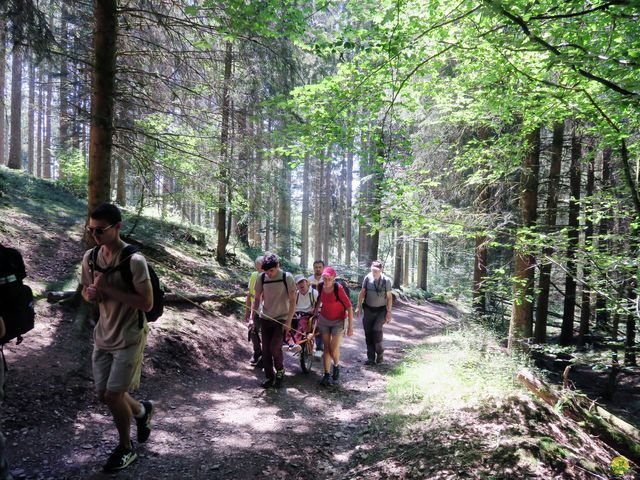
97,230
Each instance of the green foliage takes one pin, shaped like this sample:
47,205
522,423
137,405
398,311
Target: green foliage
73,173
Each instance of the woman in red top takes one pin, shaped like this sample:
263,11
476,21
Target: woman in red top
331,322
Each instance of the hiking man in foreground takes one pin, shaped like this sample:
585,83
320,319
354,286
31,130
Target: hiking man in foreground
277,291
121,332
378,299
255,326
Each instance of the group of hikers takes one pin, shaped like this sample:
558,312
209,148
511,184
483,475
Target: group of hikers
124,297
281,309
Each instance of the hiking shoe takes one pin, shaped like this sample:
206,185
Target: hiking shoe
379,358
326,380
279,378
255,360
336,373
144,423
120,458
369,361
268,383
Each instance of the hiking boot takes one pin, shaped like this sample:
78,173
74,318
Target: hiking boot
268,383
379,358
326,380
120,458
144,423
255,360
336,373
279,378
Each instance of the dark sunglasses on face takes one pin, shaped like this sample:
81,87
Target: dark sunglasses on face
97,230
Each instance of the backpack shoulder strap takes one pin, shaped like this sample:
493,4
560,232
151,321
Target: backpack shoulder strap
125,264
336,290
93,259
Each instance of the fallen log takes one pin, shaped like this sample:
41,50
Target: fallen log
169,298
612,430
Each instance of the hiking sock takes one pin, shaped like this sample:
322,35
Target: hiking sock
142,411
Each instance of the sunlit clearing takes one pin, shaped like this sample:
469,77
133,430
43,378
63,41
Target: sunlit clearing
458,370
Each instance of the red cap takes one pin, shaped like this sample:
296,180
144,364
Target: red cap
329,272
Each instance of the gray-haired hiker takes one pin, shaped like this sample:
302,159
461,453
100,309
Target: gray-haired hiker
255,325
378,299
121,332
277,291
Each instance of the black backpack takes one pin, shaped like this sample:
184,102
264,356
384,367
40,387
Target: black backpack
125,270
344,285
16,299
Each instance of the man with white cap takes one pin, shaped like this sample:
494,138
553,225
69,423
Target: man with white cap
306,299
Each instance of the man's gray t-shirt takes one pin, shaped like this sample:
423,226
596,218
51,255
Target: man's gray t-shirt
376,290
275,296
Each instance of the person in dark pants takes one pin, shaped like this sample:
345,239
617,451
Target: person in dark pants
254,328
378,299
277,292
314,280
5,474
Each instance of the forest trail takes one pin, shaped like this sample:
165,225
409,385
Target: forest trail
213,420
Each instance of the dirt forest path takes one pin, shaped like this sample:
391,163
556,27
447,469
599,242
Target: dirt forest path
214,422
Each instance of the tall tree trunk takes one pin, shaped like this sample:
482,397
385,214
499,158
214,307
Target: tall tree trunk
423,264
102,101
121,190
480,259
630,358
306,210
31,118
481,252
375,205
47,163
544,285
521,325
406,263
284,211
40,122
64,89
326,215
15,147
318,211
585,304
399,252
3,72
224,155
339,216
348,246
568,314
604,227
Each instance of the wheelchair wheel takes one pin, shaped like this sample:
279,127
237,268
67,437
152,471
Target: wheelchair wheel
306,358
